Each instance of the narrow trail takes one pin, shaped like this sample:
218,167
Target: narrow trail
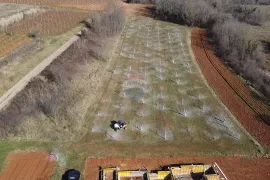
19,86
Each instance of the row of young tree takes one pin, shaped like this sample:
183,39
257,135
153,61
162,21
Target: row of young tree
227,21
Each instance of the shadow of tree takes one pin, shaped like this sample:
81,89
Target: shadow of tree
71,174
266,119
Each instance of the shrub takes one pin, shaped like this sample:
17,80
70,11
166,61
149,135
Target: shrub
190,12
222,20
109,22
239,10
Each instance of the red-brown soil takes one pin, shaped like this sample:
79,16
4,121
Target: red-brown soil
8,43
234,168
49,23
80,4
234,94
29,166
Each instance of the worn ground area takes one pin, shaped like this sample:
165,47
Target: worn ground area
234,94
29,166
233,167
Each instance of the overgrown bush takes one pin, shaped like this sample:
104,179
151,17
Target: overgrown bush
222,20
239,10
190,12
244,56
46,103
248,14
109,22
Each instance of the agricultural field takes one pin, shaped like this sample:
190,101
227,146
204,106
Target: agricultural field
150,79
49,23
10,9
14,13
158,90
79,4
30,33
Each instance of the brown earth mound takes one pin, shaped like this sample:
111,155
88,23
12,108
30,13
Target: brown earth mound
29,166
234,168
240,100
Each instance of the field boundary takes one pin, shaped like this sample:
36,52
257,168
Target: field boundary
19,86
237,102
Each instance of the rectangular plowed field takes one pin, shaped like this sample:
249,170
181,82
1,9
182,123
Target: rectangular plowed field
157,88
80,4
235,95
49,23
28,166
234,168
10,42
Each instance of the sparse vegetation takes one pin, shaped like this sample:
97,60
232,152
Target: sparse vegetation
222,19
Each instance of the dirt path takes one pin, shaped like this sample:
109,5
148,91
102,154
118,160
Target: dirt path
12,92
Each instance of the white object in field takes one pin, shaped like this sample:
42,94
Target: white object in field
116,126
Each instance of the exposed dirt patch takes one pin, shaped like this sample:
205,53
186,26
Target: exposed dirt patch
234,168
235,95
30,166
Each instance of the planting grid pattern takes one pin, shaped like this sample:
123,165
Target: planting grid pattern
157,88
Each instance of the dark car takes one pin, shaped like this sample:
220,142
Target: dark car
71,174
